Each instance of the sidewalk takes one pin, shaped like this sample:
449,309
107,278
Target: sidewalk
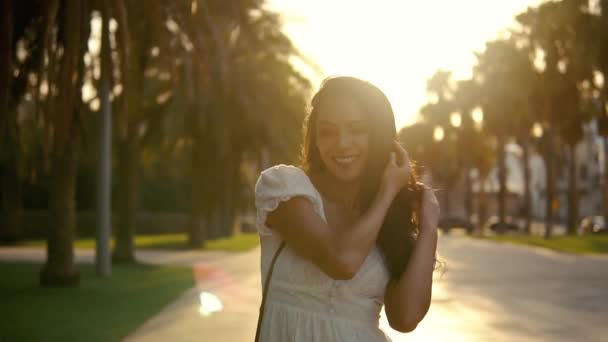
230,285
146,256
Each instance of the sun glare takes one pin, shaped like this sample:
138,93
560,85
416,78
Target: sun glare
396,45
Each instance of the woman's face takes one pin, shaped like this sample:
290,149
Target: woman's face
342,136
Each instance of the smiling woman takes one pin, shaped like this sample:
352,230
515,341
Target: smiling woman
352,227
341,137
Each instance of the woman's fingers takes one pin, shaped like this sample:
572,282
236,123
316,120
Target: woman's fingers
402,155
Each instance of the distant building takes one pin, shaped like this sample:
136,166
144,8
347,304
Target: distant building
589,165
589,168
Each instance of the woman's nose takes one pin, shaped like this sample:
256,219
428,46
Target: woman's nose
344,139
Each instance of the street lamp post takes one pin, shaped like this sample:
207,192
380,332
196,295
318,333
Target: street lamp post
102,246
438,136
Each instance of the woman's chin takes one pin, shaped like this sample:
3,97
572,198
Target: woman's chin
346,174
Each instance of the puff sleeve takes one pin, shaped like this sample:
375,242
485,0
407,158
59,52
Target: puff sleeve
278,184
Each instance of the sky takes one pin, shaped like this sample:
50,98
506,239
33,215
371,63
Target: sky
395,44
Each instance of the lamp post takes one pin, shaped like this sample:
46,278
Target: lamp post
438,136
104,177
477,118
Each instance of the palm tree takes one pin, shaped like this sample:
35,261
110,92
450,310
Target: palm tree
10,180
466,99
19,152
525,117
236,68
483,159
138,32
500,68
438,114
64,134
602,34
563,31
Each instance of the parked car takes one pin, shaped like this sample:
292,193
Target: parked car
448,223
509,225
592,225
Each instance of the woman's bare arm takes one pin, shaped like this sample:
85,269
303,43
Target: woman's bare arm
407,300
338,252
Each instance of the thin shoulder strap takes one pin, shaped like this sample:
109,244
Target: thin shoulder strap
265,291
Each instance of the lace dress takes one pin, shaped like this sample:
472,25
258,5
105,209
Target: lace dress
305,304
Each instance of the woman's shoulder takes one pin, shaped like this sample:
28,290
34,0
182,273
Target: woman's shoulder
284,172
284,177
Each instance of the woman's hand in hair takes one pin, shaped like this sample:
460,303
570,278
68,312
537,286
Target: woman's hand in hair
397,171
429,209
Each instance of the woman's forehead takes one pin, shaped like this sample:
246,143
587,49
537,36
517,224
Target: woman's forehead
341,109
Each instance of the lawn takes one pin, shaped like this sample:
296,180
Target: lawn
100,309
236,243
588,244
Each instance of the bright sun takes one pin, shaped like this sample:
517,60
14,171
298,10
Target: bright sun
396,45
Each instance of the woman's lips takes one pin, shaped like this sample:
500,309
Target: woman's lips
346,160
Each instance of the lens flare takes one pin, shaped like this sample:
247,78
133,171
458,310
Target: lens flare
210,303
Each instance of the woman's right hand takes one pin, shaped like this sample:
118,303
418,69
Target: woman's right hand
397,171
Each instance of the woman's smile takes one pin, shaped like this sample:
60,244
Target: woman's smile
346,160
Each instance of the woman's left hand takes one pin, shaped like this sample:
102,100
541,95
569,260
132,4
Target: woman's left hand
429,210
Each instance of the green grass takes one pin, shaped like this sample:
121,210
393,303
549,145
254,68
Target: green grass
236,243
100,309
588,244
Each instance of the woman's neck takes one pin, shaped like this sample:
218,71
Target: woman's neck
336,191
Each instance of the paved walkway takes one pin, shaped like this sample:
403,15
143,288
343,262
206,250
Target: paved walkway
157,257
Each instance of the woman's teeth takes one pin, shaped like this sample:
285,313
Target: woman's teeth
345,159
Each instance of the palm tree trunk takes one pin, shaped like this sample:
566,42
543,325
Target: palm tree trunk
605,198
527,193
550,186
232,194
468,200
226,204
11,185
502,178
446,199
128,181
214,200
134,40
12,210
6,40
573,192
197,227
604,94
60,269
482,211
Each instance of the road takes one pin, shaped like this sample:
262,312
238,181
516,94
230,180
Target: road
504,292
490,292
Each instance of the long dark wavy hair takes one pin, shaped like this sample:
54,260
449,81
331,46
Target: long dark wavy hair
398,233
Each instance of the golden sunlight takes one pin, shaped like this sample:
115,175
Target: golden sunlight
396,45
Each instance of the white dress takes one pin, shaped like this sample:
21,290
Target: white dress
304,304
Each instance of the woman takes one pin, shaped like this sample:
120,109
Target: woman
359,231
